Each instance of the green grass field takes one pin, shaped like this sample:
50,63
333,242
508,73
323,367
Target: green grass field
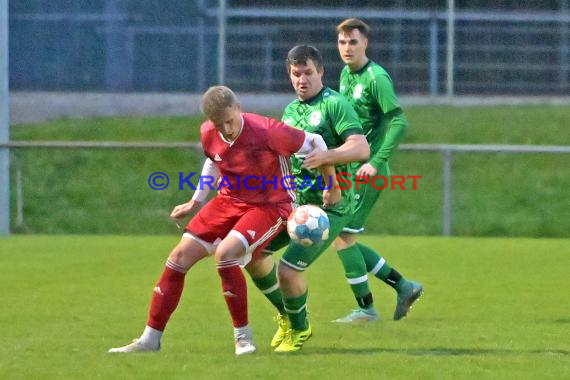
106,192
493,309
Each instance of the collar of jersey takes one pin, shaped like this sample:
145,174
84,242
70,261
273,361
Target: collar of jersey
237,137
314,97
362,68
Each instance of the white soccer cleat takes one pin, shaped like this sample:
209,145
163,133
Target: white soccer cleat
136,346
244,342
359,316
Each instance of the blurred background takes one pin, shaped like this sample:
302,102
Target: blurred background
501,47
491,73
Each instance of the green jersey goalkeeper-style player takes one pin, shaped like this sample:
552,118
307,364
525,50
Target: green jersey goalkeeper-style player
368,87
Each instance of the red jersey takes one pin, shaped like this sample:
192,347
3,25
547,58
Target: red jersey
252,166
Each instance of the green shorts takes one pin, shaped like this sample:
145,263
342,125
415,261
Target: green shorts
298,257
366,196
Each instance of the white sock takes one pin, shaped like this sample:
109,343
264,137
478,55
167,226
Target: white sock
241,331
151,337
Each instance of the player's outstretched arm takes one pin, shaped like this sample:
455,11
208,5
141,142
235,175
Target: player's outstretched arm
315,143
180,211
312,142
395,131
209,169
354,149
332,194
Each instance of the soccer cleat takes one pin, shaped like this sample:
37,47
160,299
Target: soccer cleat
244,342
409,293
359,316
294,340
136,346
282,328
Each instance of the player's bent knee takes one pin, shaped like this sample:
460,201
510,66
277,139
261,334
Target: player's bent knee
227,255
260,266
344,241
291,281
231,248
285,273
187,253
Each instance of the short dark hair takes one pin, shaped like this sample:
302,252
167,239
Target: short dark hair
350,24
301,54
216,99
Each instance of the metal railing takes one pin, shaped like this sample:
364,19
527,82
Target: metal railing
448,151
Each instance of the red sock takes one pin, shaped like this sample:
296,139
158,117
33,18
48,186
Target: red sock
235,291
165,297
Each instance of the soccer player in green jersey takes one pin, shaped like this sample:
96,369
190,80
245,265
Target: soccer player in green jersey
320,110
368,87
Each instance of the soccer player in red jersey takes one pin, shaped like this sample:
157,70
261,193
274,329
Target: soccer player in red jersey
249,154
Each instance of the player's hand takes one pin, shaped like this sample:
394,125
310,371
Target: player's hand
180,211
367,170
331,196
317,157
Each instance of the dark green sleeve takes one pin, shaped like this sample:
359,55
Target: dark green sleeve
382,89
344,117
396,123
395,130
349,132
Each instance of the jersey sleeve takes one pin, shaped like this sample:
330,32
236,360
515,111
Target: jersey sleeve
383,92
382,89
205,138
395,131
283,139
210,169
288,116
344,117
342,85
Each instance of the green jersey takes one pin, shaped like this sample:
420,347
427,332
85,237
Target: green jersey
371,93
331,116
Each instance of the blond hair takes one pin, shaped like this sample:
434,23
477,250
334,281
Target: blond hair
216,99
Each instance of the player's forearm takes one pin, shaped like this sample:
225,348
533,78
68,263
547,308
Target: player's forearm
395,131
312,141
328,174
354,149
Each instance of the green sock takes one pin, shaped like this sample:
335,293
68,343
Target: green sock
356,275
296,308
270,289
379,267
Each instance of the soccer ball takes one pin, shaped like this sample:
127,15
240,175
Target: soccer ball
308,225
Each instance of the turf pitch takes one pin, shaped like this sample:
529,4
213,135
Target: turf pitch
493,308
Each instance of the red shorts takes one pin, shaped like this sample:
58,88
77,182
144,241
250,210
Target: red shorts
254,225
